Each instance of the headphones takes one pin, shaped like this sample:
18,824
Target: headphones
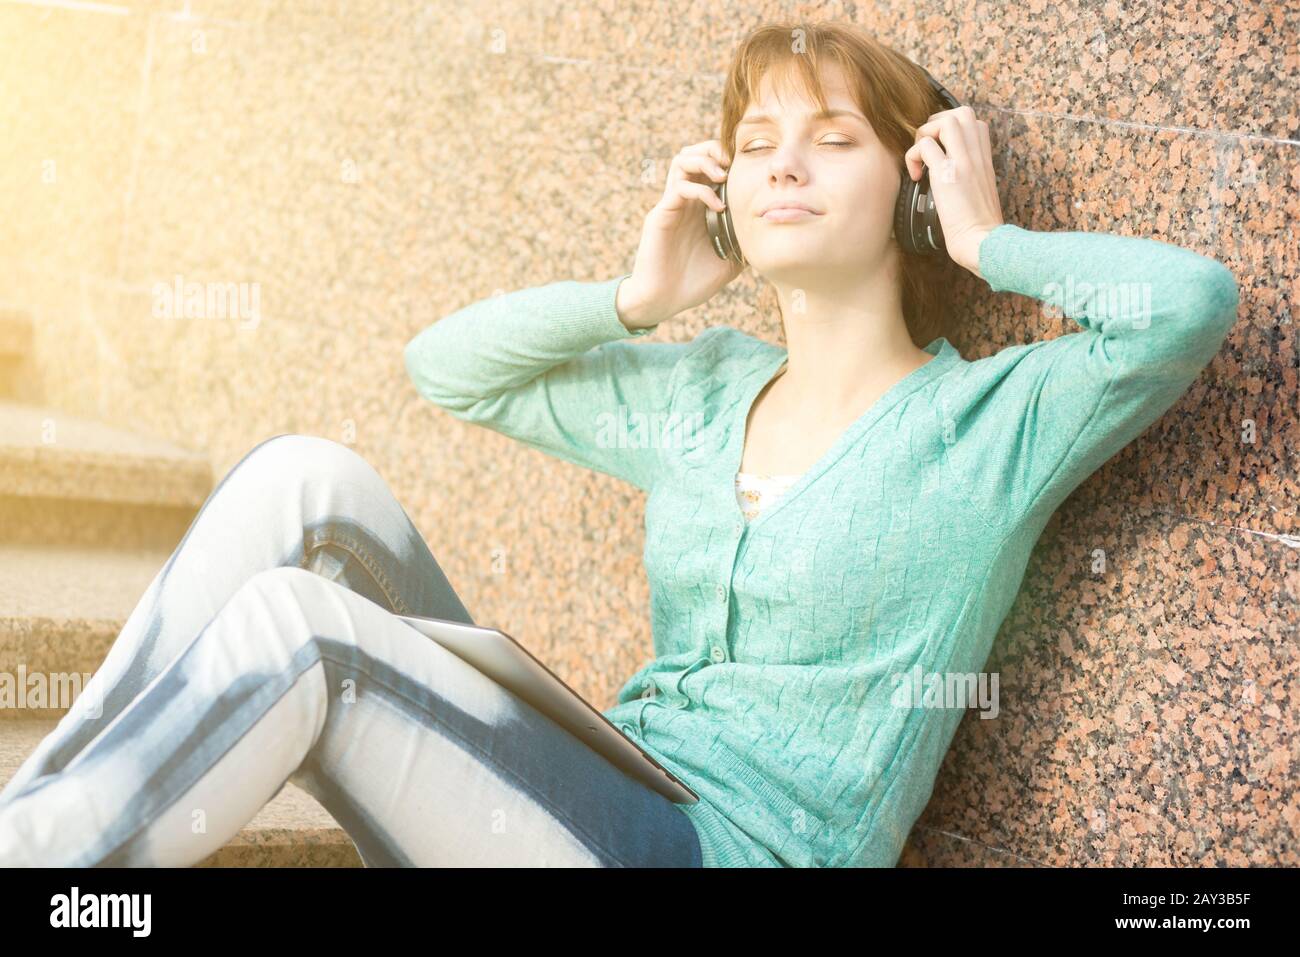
916,220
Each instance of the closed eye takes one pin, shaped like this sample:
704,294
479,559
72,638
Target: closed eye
755,149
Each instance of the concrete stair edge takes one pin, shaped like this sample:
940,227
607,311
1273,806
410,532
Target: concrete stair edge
88,460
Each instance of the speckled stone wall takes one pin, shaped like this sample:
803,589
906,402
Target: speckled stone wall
369,167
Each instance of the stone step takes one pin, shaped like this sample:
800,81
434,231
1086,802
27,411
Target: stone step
67,479
89,514
62,606
47,453
291,830
39,520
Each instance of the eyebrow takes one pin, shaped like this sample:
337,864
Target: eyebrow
820,115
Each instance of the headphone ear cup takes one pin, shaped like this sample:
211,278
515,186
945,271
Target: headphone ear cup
721,233
903,214
918,230
730,241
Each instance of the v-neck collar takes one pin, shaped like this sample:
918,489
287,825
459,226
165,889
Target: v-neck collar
771,359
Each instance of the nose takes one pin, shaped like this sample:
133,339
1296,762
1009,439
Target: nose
785,169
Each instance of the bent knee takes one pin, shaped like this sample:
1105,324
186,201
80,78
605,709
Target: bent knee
291,456
281,608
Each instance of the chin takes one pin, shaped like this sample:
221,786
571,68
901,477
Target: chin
789,258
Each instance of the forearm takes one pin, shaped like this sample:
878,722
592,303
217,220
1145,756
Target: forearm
1154,301
500,343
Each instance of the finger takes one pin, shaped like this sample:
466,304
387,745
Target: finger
961,108
917,157
955,131
718,151
703,164
681,192
986,147
964,113
926,151
711,148
968,124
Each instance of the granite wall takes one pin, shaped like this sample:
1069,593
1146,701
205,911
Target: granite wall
368,167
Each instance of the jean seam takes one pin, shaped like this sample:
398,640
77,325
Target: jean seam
373,567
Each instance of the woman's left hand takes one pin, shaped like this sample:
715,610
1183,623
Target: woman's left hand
962,183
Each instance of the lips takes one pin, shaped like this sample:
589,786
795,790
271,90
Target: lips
791,208
788,214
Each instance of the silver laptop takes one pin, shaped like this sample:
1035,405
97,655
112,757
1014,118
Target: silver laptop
510,665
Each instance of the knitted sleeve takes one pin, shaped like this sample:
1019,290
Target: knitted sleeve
1152,314
553,367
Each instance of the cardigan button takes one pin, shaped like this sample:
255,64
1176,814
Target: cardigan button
721,592
649,692
718,653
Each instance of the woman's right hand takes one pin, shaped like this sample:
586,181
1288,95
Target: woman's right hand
676,267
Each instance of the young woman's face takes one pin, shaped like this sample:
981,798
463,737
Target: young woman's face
836,166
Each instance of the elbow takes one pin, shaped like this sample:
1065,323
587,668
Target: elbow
1217,290
1207,298
1215,310
417,368
423,373
410,357
1194,323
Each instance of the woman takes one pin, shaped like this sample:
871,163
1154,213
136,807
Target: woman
916,484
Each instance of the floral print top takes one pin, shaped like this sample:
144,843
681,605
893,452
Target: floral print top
755,491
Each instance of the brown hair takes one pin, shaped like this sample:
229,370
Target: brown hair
893,94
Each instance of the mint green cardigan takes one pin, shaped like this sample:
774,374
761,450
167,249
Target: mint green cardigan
778,645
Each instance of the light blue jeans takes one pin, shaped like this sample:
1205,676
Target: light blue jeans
267,649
